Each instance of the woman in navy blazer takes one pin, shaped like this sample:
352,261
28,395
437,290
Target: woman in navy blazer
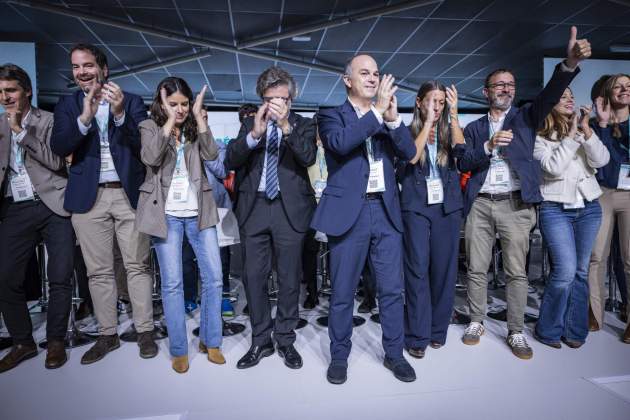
431,204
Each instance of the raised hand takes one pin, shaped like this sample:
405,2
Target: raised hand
574,125
585,113
15,116
384,93
90,104
279,112
500,138
602,112
113,94
451,100
170,112
429,103
260,121
577,49
202,126
391,114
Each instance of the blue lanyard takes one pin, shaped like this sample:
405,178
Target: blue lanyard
433,155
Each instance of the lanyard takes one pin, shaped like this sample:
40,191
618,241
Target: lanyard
180,154
320,159
433,155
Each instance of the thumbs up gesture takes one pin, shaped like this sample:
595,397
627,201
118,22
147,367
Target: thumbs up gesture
577,49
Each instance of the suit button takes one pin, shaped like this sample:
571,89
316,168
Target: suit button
366,176
154,201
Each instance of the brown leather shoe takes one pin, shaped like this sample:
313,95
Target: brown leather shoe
626,335
56,354
180,364
18,353
104,344
592,321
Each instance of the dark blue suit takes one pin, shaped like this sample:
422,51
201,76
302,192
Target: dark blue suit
431,246
524,122
124,144
357,226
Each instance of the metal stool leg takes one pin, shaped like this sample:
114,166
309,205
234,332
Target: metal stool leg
5,340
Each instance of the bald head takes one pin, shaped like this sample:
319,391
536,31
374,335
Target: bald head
361,77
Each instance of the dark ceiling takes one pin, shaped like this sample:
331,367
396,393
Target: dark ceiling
455,41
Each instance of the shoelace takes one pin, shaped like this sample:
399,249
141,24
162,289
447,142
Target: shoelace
518,340
474,329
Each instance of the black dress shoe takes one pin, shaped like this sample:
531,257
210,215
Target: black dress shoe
55,354
401,368
292,358
623,313
104,344
366,306
18,353
310,302
148,348
416,352
254,354
337,372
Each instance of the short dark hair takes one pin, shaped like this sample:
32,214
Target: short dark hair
10,71
486,83
275,76
101,58
245,110
598,87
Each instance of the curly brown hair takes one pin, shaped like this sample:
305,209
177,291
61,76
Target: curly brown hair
172,85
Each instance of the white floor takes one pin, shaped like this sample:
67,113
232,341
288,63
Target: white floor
456,381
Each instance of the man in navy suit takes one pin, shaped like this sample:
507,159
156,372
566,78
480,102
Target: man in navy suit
503,189
360,211
97,129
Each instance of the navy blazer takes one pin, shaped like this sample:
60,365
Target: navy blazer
343,136
124,144
608,176
524,123
413,195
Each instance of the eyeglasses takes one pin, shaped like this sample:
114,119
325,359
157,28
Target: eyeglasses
502,85
269,98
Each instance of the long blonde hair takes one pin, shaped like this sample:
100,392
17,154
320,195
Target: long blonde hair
417,123
556,123
608,88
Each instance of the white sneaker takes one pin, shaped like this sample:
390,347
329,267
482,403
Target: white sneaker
520,348
473,333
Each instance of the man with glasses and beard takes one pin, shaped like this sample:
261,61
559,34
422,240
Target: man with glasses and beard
503,189
98,126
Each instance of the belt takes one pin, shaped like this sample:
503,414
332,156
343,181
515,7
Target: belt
501,196
263,194
373,196
116,184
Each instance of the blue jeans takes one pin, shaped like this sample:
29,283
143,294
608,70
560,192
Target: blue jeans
169,253
570,235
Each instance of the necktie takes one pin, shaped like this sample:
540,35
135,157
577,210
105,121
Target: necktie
271,188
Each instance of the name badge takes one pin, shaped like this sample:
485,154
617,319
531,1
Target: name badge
319,186
499,172
435,191
624,177
376,182
107,163
21,187
178,192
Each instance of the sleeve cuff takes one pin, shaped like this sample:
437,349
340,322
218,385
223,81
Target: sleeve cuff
564,67
83,128
394,124
251,142
121,121
377,114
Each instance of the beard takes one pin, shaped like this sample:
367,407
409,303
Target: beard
502,102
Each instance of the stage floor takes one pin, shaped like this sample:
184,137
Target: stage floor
457,381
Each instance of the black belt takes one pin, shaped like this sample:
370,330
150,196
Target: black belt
115,184
501,196
373,196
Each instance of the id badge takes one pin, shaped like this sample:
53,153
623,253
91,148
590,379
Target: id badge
319,186
21,187
179,189
376,182
500,172
107,163
435,191
624,177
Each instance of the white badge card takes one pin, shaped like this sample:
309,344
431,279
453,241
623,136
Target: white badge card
107,163
499,172
624,177
21,187
435,191
179,189
376,182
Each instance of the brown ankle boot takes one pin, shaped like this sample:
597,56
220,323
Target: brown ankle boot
626,335
215,355
180,364
592,321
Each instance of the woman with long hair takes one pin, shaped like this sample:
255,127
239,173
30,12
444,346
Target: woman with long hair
176,200
431,203
569,153
612,111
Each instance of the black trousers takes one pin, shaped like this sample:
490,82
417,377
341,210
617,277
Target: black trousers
309,262
267,231
22,226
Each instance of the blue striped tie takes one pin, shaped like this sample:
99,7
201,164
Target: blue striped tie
271,188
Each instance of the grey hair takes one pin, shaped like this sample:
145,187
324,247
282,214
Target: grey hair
275,76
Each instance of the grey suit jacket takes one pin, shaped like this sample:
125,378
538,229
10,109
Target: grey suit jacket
159,155
46,170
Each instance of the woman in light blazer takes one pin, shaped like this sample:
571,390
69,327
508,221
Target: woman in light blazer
176,199
569,153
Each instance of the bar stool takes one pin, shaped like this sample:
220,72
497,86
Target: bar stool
5,340
322,271
159,328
